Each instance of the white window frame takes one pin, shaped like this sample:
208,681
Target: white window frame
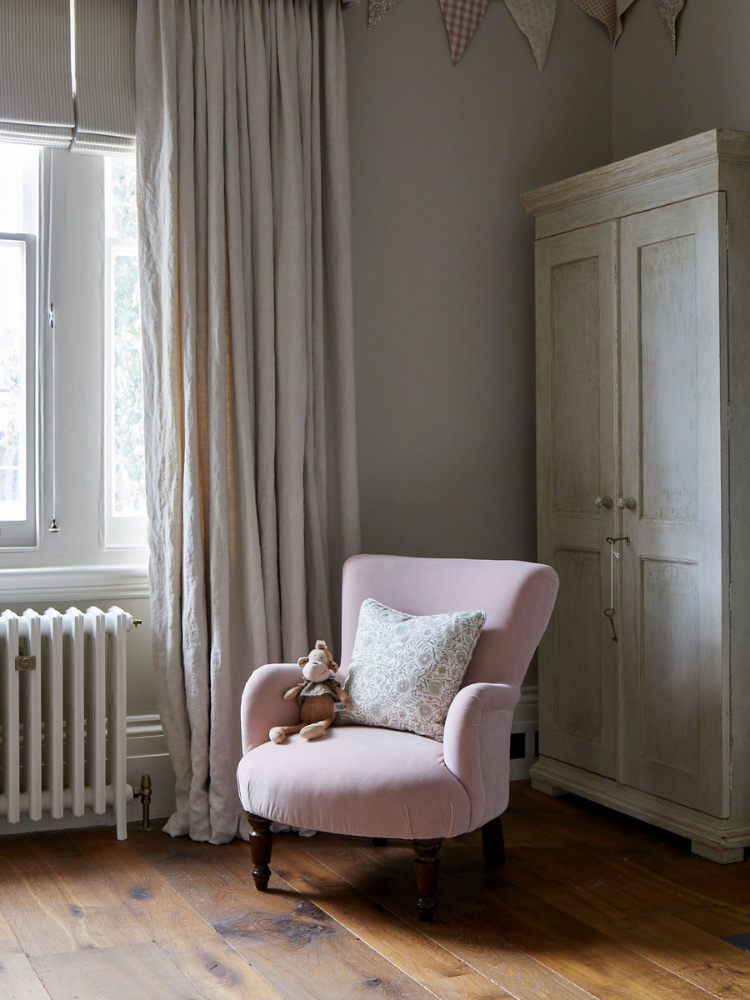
67,218
120,532
23,535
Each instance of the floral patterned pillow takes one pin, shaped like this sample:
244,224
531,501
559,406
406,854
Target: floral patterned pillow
407,669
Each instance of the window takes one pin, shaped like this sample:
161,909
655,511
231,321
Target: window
124,490
71,395
19,191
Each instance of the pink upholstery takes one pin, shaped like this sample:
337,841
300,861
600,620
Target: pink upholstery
381,783
360,781
517,597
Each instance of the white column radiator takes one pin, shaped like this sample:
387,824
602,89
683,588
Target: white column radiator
63,716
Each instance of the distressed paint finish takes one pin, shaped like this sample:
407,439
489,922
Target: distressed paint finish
680,697
576,464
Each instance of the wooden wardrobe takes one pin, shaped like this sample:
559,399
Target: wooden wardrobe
643,438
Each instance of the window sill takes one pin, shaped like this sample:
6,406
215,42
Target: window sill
73,583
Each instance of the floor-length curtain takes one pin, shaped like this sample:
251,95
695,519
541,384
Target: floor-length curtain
243,189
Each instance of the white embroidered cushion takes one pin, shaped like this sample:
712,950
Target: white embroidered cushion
407,669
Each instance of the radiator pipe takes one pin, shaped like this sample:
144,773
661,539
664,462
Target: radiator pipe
143,792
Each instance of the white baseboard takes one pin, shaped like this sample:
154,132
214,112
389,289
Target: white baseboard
526,721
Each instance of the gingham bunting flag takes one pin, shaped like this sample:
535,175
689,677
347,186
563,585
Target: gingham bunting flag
670,11
462,19
377,9
536,19
609,12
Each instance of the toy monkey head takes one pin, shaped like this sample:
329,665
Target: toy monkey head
319,665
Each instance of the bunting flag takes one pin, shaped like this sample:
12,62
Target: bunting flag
536,19
377,9
670,11
462,19
609,12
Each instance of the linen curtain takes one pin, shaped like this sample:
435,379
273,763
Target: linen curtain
243,188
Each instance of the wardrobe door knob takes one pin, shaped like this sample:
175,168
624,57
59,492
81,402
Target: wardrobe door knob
626,503
603,502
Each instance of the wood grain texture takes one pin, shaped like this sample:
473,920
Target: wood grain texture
576,293
126,972
675,727
589,905
289,939
201,954
18,980
656,724
53,904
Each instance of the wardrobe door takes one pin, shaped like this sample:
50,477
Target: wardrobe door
576,321
673,665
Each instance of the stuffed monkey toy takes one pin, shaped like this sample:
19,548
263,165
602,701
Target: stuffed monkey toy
317,694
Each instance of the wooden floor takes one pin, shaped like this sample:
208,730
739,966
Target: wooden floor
589,904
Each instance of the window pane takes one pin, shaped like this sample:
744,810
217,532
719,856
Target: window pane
129,492
12,381
19,172
121,213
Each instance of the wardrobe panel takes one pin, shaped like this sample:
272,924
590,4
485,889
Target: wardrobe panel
577,645
669,380
575,372
672,659
670,602
577,481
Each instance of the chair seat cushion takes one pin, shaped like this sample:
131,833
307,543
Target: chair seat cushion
356,780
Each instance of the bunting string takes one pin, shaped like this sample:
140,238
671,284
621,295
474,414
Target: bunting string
535,18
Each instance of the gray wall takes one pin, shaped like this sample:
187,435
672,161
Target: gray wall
658,97
443,265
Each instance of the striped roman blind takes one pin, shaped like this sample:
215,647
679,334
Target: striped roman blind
105,75
36,88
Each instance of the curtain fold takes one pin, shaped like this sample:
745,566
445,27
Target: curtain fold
243,189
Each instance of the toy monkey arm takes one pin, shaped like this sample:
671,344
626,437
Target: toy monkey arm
293,692
263,704
342,695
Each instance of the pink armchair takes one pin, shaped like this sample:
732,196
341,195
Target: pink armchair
381,783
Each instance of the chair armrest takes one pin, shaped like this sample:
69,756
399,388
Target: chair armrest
476,746
263,704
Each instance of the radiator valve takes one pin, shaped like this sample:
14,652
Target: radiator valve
143,792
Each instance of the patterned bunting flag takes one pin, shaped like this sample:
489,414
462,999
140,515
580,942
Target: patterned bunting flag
377,9
462,19
609,12
536,19
670,11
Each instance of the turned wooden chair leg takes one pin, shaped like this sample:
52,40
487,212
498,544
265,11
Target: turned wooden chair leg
426,868
261,844
493,842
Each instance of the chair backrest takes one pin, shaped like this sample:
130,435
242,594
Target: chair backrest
517,598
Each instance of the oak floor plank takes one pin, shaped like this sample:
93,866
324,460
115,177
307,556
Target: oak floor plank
201,954
700,958
589,906
18,980
53,904
297,947
125,972
580,953
599,871
475,941
654,863
399,942
536,819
